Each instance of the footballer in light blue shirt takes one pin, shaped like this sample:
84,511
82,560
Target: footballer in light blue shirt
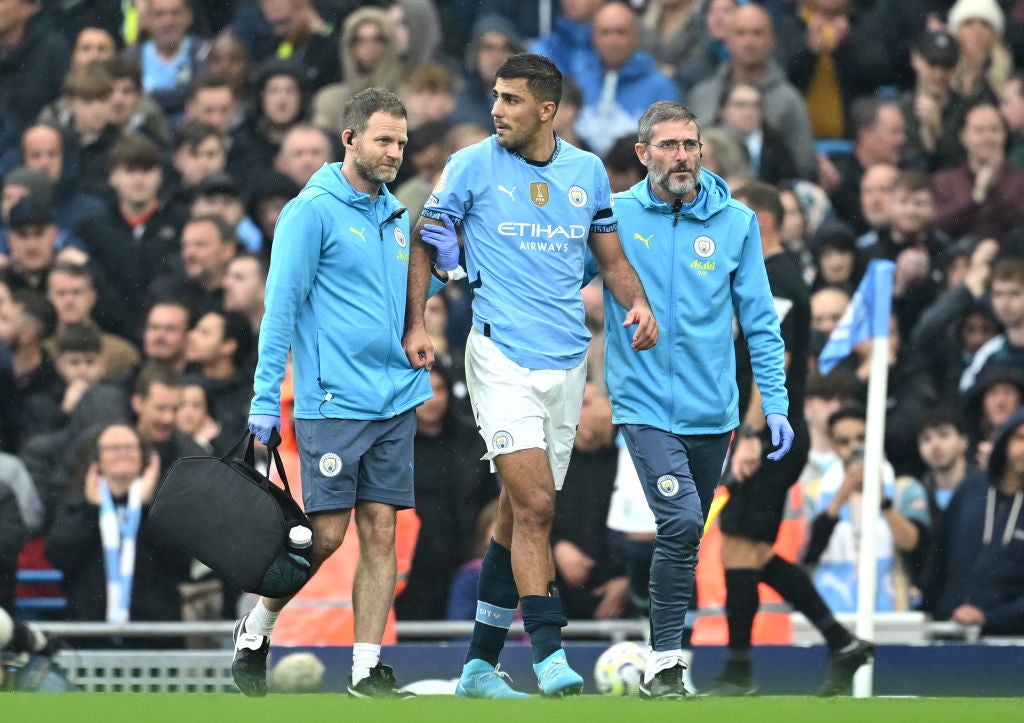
528,206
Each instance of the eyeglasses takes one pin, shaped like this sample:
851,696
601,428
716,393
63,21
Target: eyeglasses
119,448
689,145
378,39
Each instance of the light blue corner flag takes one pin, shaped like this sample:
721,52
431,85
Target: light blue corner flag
866,317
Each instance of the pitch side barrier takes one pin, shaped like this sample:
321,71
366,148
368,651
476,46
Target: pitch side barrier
891,628
914,657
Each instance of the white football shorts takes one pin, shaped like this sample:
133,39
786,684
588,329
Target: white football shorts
518,408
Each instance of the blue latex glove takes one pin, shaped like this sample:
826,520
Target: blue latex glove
263,424
782,435
446,240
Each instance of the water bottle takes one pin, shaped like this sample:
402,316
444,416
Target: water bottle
300,543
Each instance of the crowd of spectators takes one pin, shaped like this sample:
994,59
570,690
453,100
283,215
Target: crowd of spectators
147,148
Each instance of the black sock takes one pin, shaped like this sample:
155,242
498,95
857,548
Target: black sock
793,584
738,667
741,603
543,619
497,597
25,640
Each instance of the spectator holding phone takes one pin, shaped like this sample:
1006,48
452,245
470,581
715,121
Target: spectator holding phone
836,496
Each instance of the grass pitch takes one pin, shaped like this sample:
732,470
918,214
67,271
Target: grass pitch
227,708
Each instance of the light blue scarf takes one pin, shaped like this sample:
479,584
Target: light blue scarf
118,533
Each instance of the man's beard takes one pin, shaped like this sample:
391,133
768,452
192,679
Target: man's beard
664,180
371,172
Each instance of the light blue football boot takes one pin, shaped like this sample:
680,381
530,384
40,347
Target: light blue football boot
480,679
555,678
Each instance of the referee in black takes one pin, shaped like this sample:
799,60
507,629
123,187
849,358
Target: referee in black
750,520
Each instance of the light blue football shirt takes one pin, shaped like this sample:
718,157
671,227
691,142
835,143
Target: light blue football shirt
525,227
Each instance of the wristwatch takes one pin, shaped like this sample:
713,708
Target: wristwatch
885,504
454,275
746,430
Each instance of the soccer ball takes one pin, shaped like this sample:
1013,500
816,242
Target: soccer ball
620,668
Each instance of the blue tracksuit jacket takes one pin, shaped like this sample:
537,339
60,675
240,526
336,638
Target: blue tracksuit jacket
336,296
700,265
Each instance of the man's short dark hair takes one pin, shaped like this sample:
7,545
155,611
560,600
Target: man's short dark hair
365,103
982,102
426,135
37,308
572,94
154,373
261,260
89,82
543,78
238,329
135,153
208,80
664,110
192,133
225,231
864,111
941,416
121,67
838,384
1008,268
851,410
172,301
622,156
79,338
762,197
79,271
913,181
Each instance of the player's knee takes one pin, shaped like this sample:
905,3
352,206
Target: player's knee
681,529
327,541
535,510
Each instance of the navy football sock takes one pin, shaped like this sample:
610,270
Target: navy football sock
497,597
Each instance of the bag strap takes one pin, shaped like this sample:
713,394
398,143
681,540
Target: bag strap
250,455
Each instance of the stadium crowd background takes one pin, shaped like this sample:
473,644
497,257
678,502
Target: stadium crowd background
147,148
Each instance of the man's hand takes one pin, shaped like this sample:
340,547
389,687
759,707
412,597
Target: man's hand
150,478
746,457
782,435
980,268
912,267
968,615
73,395
419,350
646,334
929,120
572,563
984,180
446,240
262,425
829,176
853,481
614,596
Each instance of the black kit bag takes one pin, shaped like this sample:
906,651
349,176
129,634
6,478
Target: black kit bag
229,515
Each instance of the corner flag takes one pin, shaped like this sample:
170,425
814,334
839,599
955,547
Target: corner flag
866,317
